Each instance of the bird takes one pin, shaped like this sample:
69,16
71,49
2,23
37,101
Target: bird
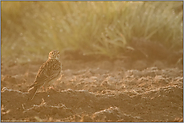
47,73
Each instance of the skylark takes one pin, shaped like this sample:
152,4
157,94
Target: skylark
47,73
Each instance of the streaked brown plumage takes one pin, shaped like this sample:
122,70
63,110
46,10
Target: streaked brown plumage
48,72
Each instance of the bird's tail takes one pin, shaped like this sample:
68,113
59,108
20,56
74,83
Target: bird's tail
32,92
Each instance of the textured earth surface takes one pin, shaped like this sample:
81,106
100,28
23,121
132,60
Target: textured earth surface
95,90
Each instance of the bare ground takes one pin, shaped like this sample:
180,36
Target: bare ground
95,90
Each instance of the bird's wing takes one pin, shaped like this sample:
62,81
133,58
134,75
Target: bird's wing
48,71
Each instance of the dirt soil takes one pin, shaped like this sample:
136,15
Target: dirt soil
95,90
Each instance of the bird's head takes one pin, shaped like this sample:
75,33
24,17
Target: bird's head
54,54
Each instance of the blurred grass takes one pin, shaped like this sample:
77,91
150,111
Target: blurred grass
31,29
